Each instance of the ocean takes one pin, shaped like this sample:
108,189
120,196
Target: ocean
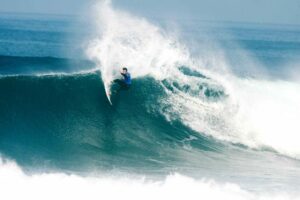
212,112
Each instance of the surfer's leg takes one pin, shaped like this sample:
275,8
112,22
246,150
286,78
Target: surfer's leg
126,87
121,85
120,82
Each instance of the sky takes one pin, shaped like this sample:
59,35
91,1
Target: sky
262,11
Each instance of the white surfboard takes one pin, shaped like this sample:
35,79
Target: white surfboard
107,87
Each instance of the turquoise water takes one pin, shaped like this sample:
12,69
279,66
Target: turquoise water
55,115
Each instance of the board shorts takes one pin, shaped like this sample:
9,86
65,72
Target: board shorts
122,84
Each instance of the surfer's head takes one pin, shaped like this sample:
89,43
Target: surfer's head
125,70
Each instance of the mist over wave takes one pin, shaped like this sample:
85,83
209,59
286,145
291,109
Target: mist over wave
255,112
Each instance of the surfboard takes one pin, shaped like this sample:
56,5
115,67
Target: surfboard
107,87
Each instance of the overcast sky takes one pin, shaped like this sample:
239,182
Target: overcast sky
266,11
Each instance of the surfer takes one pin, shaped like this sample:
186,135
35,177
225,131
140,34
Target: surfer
124,83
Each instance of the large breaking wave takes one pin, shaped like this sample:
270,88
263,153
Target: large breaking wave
186,115
201,93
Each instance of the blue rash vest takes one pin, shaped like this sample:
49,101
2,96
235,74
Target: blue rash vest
127,78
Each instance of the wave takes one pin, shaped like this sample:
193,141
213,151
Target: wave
65,123
73,110
61,186
253,112
16,65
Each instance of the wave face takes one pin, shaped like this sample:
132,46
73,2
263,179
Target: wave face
212,110
65,123
49,105
42,116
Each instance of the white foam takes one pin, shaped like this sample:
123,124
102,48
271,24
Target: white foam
126,41
268,114
82,72
256,113
16,185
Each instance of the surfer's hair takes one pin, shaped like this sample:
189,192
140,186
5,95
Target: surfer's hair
124,68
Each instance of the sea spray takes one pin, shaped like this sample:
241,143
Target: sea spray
256,113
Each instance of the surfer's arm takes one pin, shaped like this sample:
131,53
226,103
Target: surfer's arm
125,75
